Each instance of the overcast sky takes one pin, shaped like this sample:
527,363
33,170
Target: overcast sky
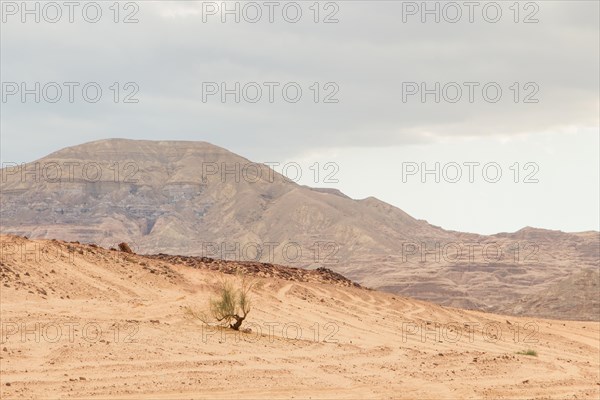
368,65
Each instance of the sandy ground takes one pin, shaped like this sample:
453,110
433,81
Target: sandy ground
122,333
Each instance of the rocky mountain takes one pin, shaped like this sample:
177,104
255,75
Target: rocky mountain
197,199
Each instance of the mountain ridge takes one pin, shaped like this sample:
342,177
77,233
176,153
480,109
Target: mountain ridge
194,198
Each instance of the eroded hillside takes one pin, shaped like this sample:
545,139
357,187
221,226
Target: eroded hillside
197,199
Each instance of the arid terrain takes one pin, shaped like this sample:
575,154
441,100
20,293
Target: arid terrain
81,321
194,198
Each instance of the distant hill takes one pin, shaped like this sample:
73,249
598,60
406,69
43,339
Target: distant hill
194,198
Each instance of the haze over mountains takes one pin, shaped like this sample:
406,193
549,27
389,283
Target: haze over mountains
194,198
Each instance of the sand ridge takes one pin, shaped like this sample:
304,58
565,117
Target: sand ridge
89,322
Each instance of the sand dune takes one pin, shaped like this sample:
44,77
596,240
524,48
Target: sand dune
83,322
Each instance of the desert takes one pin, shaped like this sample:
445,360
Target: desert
324,199
82,321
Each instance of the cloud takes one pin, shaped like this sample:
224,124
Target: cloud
368,55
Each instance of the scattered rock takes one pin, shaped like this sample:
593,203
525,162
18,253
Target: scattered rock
124,247
263,270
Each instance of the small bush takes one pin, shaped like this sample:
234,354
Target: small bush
528,352
230,308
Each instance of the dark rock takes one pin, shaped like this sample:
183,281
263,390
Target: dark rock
124,247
